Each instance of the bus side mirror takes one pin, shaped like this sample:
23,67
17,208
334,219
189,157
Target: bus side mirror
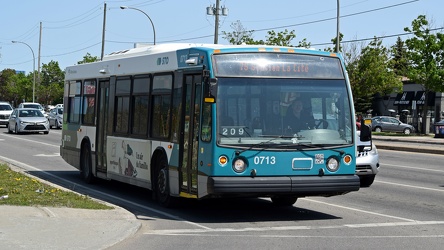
209,87
366,132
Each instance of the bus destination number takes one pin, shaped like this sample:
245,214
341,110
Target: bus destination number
259,160
233,131
163,60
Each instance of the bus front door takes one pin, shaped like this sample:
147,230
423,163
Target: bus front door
191,119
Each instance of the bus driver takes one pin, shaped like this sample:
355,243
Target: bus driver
298,118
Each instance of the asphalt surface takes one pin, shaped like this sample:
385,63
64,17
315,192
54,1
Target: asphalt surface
66,228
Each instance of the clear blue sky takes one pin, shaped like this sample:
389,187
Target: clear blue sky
70,29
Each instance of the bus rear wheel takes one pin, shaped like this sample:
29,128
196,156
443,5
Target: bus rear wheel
161,184
86,164
284,201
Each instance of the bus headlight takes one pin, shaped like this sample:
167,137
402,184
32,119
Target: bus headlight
332,164
239,165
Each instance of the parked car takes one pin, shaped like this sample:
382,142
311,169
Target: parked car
33,105
367,162
28,120
5,113
55,117
391,124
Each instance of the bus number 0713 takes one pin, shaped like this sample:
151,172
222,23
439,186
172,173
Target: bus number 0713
258,160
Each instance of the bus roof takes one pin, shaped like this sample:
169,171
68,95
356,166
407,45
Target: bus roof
137,60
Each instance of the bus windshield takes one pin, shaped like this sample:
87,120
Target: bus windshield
283,112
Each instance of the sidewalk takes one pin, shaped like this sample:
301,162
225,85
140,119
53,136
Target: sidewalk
65,228
423,144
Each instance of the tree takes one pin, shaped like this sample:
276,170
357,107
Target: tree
88,59
239,35
425,53
15,87
282,38
372,75
399,58
333,40
50,90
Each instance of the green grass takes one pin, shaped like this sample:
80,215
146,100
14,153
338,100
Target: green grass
22,190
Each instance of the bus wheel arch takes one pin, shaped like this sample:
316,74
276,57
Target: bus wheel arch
86,162
160,179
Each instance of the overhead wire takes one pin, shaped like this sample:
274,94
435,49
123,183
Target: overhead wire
86,14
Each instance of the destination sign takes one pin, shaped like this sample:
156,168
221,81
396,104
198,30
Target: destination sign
278,65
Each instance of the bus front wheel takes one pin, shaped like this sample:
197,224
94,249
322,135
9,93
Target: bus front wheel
161,184
284,201
86,164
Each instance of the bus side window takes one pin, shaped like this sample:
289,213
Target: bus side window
161,105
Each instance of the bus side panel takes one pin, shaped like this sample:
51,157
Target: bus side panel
128,158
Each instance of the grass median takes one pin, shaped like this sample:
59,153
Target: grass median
20,189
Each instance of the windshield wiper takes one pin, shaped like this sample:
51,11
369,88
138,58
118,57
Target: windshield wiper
321,147
260,144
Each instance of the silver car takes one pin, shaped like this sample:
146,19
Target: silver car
55,117
391,124
367,162
28,120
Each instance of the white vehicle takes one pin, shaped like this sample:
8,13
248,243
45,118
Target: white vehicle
5,112
55,117
33,105
367,162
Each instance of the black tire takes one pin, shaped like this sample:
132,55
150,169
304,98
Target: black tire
46,132
366,181
378,129
161,184
16,129
9,130
284,201
86,164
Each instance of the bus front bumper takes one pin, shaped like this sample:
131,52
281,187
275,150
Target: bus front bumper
299,186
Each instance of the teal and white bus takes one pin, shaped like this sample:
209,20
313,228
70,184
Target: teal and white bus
206,121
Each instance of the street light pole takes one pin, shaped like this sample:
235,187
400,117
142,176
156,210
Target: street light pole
33,68
152,24
337,28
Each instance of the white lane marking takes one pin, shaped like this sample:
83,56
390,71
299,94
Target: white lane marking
422,169
410,186
73,184
292,228
360,210
45,155
28,140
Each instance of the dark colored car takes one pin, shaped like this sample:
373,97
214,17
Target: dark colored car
391,124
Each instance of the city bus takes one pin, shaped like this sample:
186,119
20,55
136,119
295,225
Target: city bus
210,121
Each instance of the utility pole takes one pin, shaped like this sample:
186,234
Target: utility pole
216,11
103,31
40,49
337,26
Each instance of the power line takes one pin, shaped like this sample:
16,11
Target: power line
377,37
310,22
